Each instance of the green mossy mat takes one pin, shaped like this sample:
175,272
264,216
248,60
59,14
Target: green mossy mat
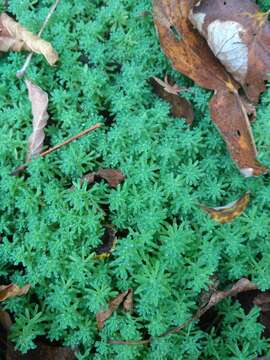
167,247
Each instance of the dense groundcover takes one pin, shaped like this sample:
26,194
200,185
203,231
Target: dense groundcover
167,248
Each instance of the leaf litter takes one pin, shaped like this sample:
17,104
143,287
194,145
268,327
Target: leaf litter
191,54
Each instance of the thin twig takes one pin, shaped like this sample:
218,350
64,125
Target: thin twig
56,147
84,132
23,70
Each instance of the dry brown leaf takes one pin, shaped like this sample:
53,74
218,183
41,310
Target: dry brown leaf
191,55
227,213
102,316
12,290
230,116
15,37
39,102
180,107
239,35
112,176
183,45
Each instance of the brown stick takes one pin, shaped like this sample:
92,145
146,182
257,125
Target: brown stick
84,132
56,147
20,73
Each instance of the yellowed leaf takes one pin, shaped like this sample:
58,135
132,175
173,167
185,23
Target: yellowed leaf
227,213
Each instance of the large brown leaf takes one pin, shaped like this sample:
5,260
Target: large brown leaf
239,35
183,45
14,37
191,55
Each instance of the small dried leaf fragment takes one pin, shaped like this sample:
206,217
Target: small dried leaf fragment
15,37
102,316
12,290
180,107
224,214
108,242
39,102
112,176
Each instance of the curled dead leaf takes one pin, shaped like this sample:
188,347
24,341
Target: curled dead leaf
15,37
125,297
12,290
39,102
227,213
180,107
